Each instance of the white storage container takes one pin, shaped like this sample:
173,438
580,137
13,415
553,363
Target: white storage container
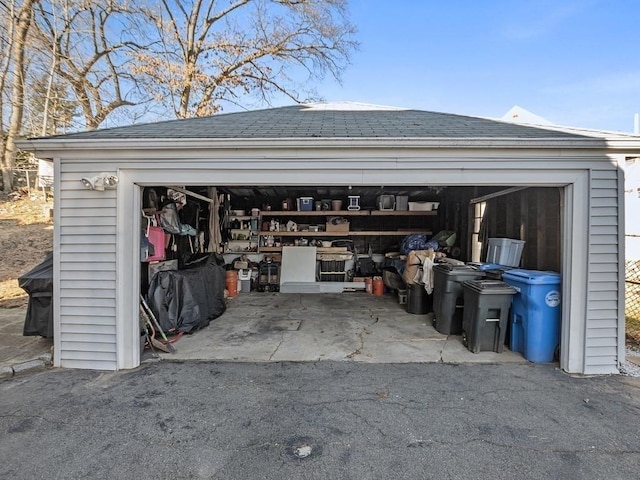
505,251
244,281
402,202
423,206
386,202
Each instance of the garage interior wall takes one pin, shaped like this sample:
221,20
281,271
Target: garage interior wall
532,214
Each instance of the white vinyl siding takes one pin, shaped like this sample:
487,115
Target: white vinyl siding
602,331
97,314
86,227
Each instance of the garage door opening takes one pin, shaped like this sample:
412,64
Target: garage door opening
332,241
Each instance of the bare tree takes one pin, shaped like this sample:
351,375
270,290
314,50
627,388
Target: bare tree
187,57
88,40
7,25
51,110
206,52
23,21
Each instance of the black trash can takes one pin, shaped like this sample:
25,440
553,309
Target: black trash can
448,299
486,314
38,283
418,301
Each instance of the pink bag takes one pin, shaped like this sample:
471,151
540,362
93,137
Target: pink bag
156,238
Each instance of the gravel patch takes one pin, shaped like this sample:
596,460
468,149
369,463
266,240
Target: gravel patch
628,368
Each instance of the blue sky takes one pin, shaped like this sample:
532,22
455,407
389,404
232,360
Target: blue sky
573,62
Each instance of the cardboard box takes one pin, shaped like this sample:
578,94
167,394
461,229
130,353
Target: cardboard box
339,228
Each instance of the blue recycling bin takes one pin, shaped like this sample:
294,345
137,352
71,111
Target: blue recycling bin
535,313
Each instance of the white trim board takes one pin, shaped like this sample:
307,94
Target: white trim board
574,253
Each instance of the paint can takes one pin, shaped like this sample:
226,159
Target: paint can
368,285
378,286
231,278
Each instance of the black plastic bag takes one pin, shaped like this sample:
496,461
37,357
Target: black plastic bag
366,267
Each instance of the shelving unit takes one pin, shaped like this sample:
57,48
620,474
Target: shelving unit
286,214
351,233
243,245
348,213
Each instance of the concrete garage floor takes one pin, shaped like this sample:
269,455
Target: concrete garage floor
359,327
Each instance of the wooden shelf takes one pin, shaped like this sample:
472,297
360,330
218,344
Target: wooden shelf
314,213
403,213
270,249
388,233
305,234
366,233
349,213
337,235
318,249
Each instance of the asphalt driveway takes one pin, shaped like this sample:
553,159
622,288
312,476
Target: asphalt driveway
321,420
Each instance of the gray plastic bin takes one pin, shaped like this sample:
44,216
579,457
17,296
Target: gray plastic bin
486,314
448,298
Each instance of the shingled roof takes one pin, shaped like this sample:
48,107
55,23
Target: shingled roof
323,121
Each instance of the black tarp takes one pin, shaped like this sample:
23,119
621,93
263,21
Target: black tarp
38,283
188,299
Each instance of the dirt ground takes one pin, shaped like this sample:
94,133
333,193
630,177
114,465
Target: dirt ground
26,236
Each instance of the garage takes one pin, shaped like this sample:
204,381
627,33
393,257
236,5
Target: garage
353,236
558,191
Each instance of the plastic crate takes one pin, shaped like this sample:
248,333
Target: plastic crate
333,270
305,204
386,202
505,251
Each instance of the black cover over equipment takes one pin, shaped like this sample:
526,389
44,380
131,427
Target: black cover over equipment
188,299
38,283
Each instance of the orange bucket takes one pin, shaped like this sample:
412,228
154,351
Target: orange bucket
378,286
231,278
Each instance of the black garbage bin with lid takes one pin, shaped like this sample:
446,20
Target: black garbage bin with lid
448,299
418,300
38,283
486,314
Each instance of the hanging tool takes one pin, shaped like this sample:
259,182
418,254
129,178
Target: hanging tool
150,314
